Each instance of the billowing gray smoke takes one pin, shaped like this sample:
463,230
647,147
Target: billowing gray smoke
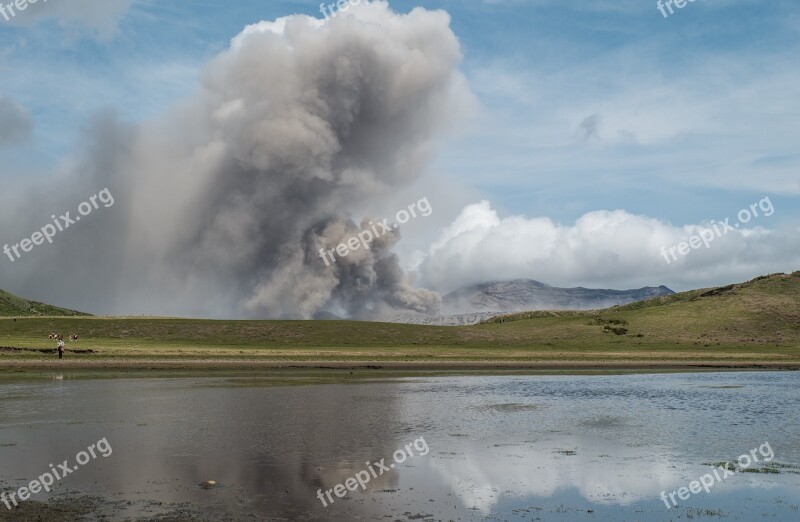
223,205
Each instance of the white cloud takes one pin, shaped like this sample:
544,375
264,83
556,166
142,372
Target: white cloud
601,249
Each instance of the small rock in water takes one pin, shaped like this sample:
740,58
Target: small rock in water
208,484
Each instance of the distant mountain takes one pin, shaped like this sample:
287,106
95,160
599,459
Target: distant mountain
478,303
13,306
528,295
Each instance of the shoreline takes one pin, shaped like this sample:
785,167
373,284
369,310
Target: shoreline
419,365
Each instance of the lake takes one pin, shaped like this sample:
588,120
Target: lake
512,447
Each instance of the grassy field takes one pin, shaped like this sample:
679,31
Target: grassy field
753,323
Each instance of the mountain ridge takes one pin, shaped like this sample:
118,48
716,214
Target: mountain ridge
519,295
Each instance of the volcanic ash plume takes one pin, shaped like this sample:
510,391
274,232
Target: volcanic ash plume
228,199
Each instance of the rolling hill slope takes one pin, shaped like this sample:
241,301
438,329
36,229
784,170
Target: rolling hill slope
13,306
757,321
763,311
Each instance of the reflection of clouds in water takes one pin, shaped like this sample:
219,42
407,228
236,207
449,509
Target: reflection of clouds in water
495,442
483,474
633,436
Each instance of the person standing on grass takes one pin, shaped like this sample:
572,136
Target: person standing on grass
60,346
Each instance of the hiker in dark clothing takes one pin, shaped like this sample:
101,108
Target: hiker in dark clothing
60,347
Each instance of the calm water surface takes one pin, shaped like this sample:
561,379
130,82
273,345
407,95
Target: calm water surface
561,448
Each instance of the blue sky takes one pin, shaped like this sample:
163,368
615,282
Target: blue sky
578,109
686,91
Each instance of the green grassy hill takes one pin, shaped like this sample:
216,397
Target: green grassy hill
761,312
13,306
754,321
